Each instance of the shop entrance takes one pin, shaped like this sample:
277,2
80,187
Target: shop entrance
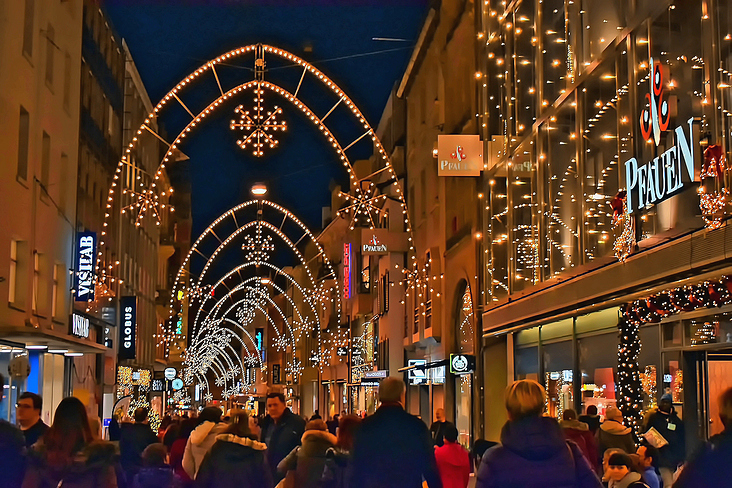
715,375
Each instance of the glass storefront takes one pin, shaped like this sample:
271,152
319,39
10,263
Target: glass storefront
464,383
564,86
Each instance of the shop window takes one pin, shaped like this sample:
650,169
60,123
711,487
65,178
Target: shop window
562,190
558,377
673,378
672,334
522,202
466,329
497,262
598,364
599,98
526,363
649,361
713,329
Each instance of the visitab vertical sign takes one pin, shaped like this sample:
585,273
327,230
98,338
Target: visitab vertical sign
86,257
128,327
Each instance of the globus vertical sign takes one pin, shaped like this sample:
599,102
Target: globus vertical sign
347,258
86,256
128,327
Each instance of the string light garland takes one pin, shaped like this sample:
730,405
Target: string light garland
713,192
630,388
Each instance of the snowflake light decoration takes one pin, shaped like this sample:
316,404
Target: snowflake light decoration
146,201
361,205
294,367
220,380
208,397
259,125
258,246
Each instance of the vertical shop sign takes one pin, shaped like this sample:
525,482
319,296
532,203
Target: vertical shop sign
259,341
276,374
128,328
347,258
86,255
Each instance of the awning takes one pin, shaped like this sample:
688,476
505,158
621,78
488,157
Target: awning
52,339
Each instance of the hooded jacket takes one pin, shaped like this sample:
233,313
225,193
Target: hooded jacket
308,461
234,462
579,433
453,464
613,434
534,454
92,467
199,443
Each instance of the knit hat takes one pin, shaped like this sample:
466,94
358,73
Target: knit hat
614,413
667,396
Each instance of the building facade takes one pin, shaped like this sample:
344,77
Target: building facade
40,62
606,132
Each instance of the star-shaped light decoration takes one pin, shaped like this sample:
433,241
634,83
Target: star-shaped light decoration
147,201
294,368
220,380
208,397
258,246
361,205
259,124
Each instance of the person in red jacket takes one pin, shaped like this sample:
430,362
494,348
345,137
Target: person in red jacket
580,434
453,460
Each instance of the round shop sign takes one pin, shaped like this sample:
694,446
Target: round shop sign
170,373
177,384
19,367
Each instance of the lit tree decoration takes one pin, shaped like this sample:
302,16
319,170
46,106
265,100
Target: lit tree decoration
259,124
146,201
362,204
630,389
258,246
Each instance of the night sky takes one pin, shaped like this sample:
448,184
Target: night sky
169,39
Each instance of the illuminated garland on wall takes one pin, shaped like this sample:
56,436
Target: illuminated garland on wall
630,388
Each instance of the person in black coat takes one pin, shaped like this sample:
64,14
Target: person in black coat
393,449
134,438
669,425
12,450
282,431
709,466
237,459
533,452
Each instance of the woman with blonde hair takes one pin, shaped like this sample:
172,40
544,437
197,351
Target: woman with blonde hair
236,458
533,452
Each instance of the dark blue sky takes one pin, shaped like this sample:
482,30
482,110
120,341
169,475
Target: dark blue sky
169,39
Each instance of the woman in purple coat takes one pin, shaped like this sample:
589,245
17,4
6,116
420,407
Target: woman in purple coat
533,452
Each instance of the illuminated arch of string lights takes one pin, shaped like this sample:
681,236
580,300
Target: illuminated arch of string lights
217,314
149,204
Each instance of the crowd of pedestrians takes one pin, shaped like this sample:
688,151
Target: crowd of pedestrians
388,449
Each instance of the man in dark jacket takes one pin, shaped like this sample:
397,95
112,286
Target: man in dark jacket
670,426
710,465
591,418
393,449
134,438
12,449
28,413
282,431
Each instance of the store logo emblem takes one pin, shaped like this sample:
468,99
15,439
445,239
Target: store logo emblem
654,118
459,153
374,245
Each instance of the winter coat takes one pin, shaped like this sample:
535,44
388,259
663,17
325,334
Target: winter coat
613,434
534,454
134,438
674,453
199,443
393,449
92,467
175,459
709,466
12,460
453,464
579,433
592,421
308,461
157,477
631,480
234,462
281,438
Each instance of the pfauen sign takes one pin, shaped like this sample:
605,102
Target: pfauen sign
374,246
661,178
128,327
459,155
86,255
